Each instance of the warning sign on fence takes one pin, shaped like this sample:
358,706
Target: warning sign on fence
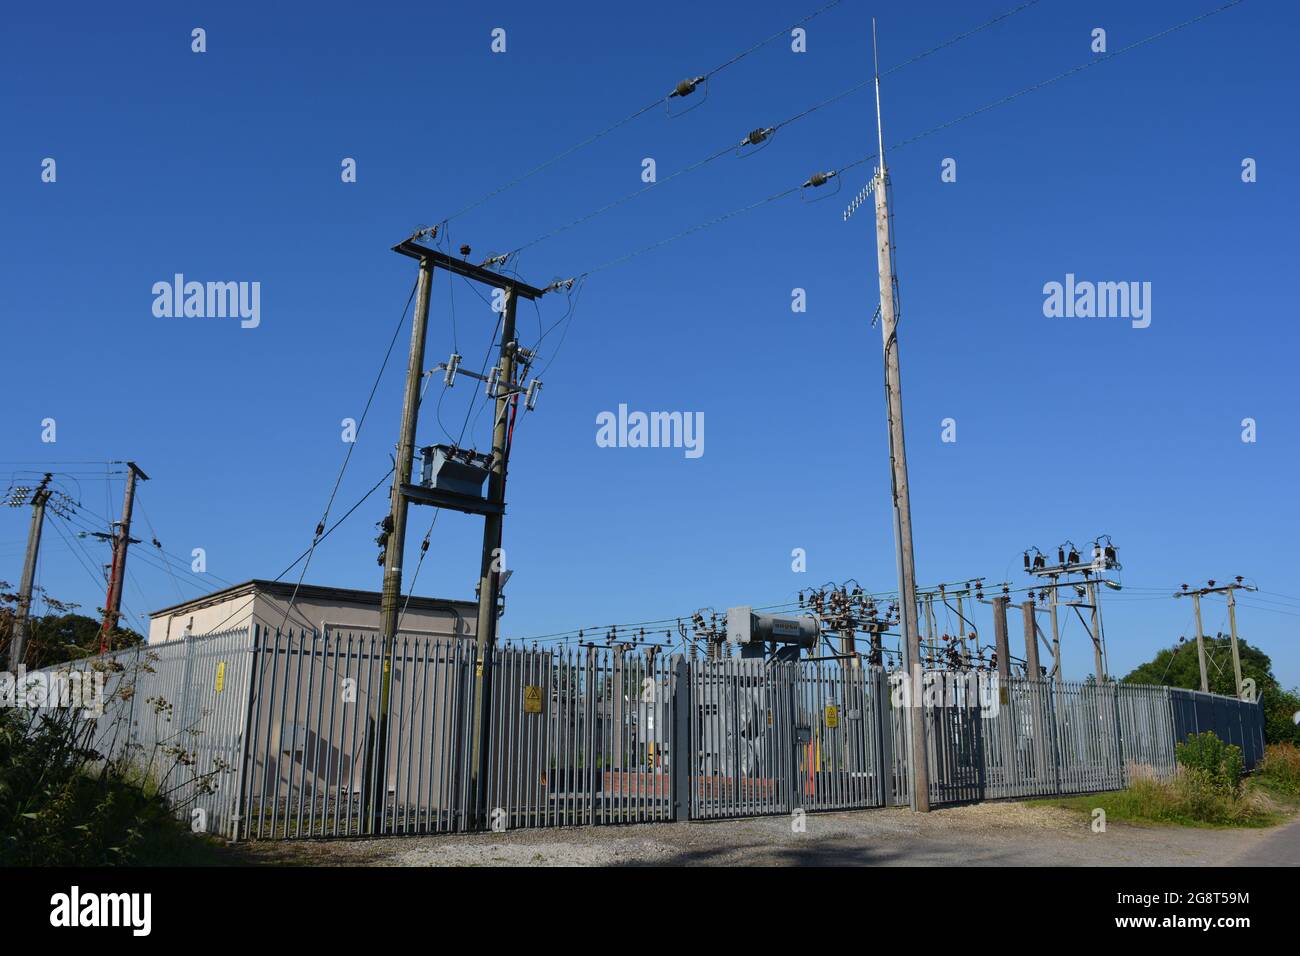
532,699
832,716
221,676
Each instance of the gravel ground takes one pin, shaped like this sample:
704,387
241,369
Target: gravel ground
989,834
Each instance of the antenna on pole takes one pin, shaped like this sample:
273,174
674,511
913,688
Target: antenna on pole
880,133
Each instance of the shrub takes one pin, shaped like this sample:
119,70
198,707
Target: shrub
1211,764
63,803
1281,767
1188,799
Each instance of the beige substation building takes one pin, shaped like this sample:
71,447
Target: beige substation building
315,608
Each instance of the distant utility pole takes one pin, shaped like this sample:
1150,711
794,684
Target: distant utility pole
1105,557
39,497
902,503
121,541
1196,595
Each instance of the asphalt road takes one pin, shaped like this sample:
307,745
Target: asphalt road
1281,847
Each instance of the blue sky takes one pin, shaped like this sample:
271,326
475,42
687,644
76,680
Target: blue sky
225,165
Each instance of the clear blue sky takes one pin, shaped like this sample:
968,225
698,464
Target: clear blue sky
226,166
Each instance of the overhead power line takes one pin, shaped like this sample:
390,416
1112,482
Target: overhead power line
330,530
821,178
684,88
758,137
318,536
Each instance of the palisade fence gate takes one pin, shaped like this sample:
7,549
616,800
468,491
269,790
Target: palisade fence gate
285,734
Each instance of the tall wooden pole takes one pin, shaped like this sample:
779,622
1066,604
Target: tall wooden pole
492,566
902,505
376,769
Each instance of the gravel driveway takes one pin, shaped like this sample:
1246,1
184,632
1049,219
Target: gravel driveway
989,834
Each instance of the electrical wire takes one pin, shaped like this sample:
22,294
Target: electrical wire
317,537
618,124
767,132
913,139
1089,64
154,534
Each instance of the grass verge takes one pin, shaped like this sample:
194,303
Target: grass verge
1185,801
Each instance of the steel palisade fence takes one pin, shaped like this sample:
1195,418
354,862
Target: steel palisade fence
282,736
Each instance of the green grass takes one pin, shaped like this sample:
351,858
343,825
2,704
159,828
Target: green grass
1183,802
1280,770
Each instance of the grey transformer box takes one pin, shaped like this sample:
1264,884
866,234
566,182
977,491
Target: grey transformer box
753,632
457,470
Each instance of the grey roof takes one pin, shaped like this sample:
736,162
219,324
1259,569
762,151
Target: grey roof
285,589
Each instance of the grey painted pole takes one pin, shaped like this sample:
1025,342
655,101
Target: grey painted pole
22,617
1200,643
1056,639
901,495
1096,633
1232,628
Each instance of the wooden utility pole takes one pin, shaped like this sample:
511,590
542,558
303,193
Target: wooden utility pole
1032,669
849,647
912,666
22,617
376,765
1001,639
121,542
503,389
391,599
491,565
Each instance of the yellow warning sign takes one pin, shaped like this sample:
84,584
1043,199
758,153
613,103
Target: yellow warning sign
832,716
221,676
532,699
